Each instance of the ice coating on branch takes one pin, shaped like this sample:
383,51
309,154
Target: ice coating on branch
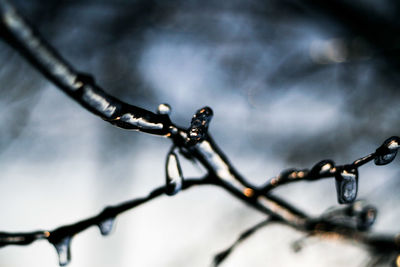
388,151
106,226
220,167
347,186
45,56
63,250
322,168
140,123
98,102
164,109
199,125
174,176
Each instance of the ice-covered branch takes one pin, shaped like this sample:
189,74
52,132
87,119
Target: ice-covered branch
61,237
351,222
194,143
17,32
346,176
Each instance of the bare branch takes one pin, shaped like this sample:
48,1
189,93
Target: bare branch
223,255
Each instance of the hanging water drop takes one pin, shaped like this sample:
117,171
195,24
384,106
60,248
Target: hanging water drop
199,125
106,226
387,151
347,186
321,169
164,109
63,250
174,176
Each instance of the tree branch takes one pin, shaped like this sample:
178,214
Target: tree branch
17,32
223,255
62,236
346,176
194,143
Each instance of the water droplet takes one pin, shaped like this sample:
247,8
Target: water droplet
174,176
164,109
347,186
322,168
297,246
199,125
63,250
387,151
106,226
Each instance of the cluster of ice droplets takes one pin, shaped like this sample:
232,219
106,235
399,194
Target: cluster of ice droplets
199,125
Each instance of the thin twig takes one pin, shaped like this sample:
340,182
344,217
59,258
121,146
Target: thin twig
323,169
223,255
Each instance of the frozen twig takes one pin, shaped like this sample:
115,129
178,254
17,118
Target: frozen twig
346,176
61,237
221,256
194,143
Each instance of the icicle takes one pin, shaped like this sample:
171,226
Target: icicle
347,186
321,169
387,151
63,250
199,125
164,109
174,176
106,226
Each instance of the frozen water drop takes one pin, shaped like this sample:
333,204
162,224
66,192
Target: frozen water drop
164,109
388,151
174,176
63,250
347,186
106,226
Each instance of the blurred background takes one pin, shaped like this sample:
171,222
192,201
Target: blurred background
290,83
